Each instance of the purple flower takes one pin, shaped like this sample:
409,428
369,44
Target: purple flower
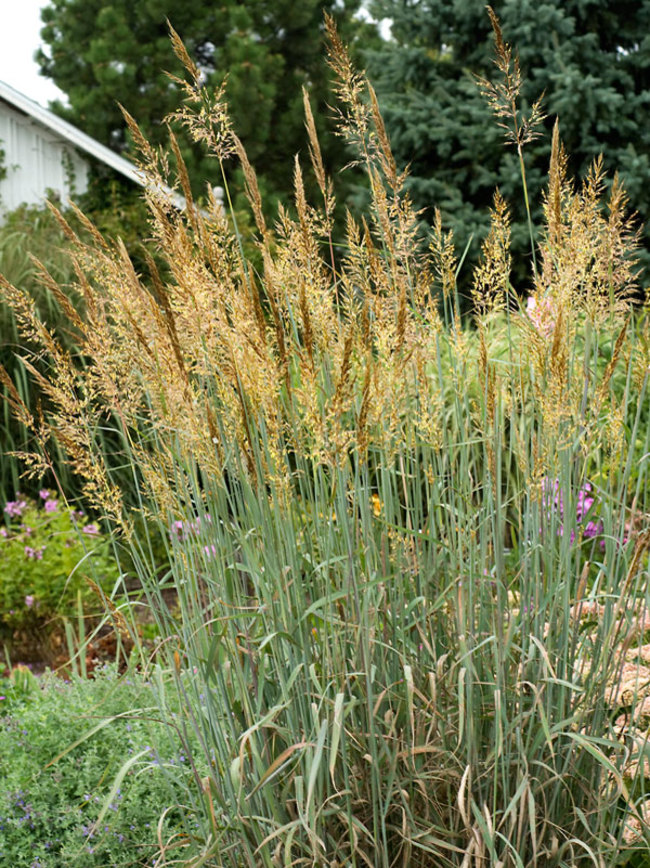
29,601
51,505
34,554
91,529
592,529
4,532
552,496
529,609
14,508
44,494
585,502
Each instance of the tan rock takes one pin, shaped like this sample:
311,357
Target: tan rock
639,652
637,825
633,685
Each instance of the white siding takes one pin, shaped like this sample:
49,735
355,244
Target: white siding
36,160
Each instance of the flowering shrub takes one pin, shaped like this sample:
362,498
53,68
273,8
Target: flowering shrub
47,553
588,524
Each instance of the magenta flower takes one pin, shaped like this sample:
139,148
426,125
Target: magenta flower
552,496
51,505
34,554
14,508
178,530
592,529
91,529
44,494
585,501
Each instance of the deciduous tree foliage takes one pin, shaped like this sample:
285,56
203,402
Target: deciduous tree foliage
591,58
104,53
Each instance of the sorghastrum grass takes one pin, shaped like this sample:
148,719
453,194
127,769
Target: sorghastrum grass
374,642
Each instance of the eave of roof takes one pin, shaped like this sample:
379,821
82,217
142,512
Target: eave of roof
71,134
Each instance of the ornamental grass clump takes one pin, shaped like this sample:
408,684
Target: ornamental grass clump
391,648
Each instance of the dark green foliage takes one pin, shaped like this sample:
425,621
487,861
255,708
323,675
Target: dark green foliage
591,58
102,53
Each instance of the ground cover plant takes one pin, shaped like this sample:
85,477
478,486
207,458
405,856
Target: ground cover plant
62,744
409,558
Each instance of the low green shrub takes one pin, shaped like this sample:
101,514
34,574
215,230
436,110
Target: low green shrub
61,748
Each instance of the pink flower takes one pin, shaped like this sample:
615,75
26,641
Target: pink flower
552,496
34,554
178,530
14,508
4,532
592,529
210,550
585,501
44,494
51,505
91,529
29,601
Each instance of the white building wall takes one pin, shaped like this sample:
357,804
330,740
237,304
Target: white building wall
37,161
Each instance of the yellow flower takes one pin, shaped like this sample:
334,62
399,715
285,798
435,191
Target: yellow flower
376,505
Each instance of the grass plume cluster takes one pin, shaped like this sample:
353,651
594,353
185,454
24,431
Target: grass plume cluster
396,642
